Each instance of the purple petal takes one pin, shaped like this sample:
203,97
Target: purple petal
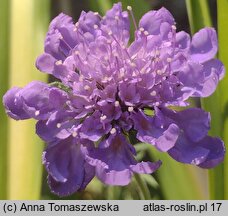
65,164
193,121
186,151
14,105
148,130
115,164
204,45
152,20
45,63
214,71
216,149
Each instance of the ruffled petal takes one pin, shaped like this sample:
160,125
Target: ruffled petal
204,45
153,131
214,71
153,20
66,166
46,63
186,151
216,149
193,121
14,105
117,22
115,164
207,153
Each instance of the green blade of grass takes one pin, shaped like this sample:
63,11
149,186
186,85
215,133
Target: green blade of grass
28,24
199,17
223,55
4,72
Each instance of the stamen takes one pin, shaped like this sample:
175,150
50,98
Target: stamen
146,33
113,131
153,93
117,103
60,62
102,118
74,134
58,125
168,60
86,87
130,109
37,113
132,16
95,26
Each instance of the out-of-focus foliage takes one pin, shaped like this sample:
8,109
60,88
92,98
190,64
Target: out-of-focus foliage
28,24
4,72
223,55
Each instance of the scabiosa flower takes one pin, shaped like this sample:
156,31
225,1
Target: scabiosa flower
104,87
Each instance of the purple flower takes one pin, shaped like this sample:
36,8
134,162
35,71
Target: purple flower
105,87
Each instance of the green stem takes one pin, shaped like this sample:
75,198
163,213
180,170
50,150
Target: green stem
144,191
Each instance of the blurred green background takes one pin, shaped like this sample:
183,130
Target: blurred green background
23,24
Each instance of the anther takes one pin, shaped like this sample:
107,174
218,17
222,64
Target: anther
95,26
113,131
102,118
153,93
117,103
37,113
129,8
146,33
130,109
58,125
60,62
86,87
169,60
74,134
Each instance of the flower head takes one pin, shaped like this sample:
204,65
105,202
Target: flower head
105,87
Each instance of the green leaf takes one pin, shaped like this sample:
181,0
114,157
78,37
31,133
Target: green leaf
28,25
223,56
4,73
